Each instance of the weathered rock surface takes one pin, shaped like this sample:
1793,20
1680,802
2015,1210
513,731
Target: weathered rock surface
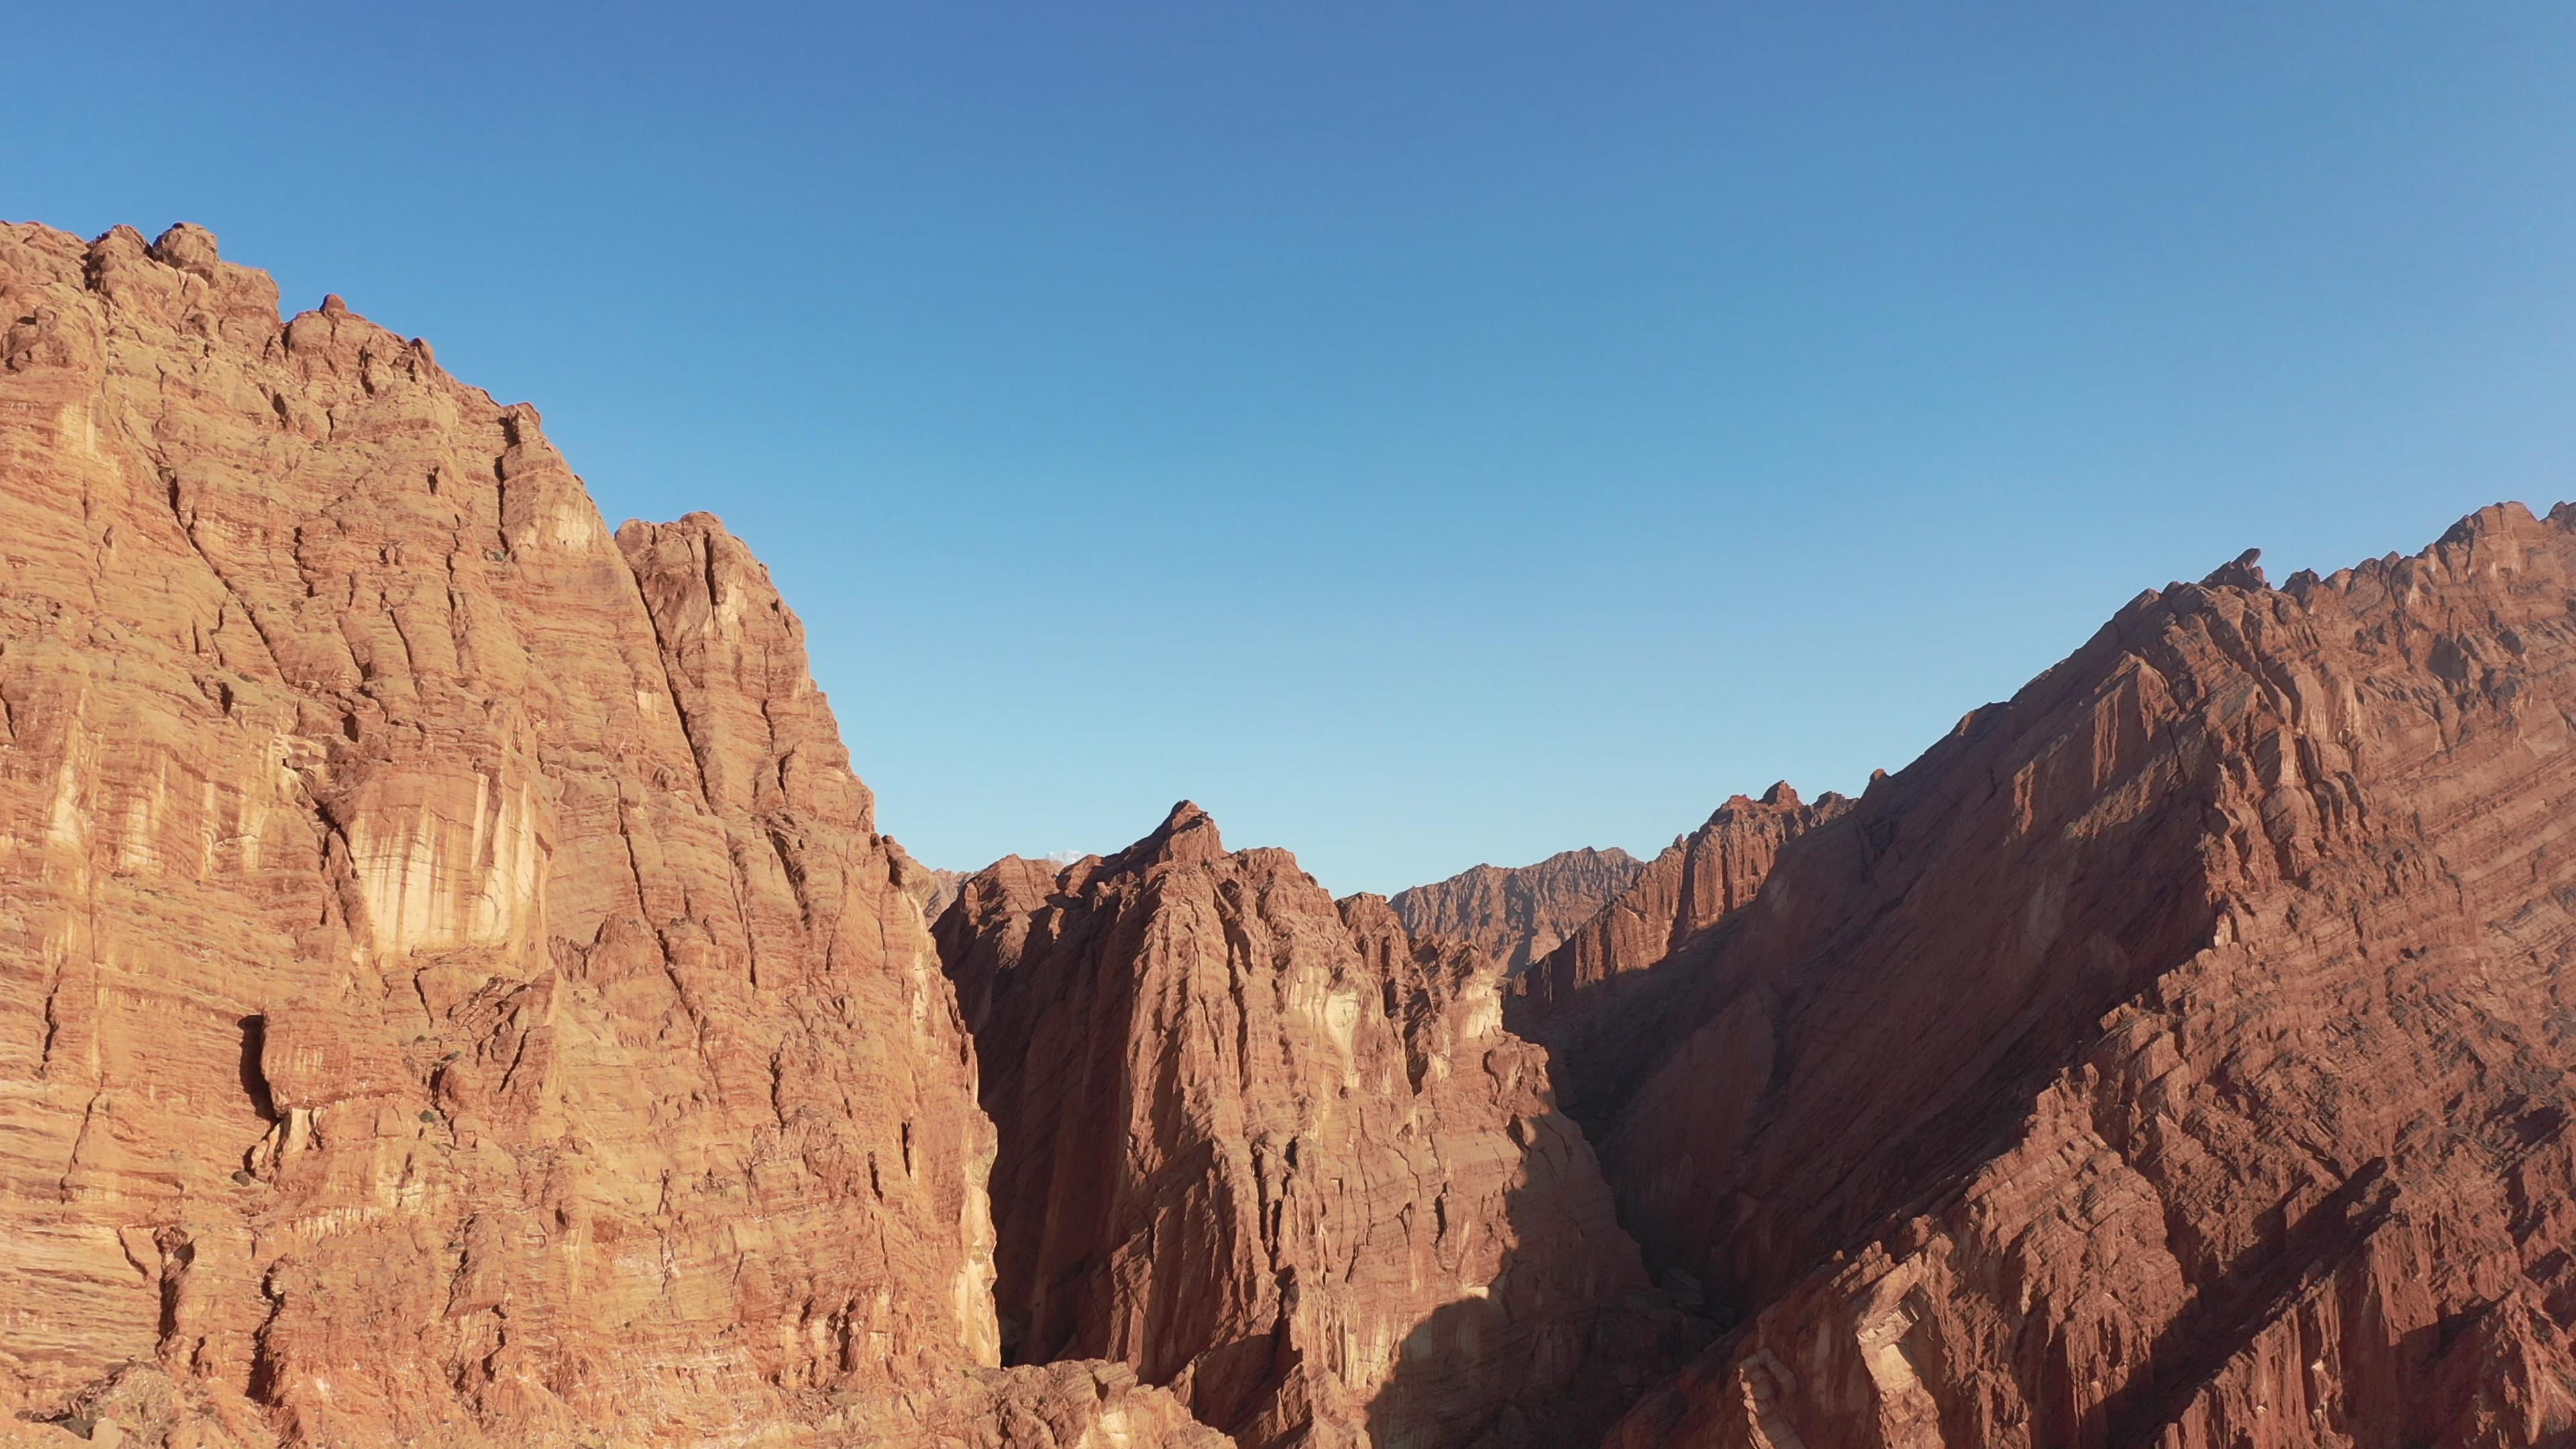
936,888
1515,915
2179,1054
1281,1158
1075,1404
451,989
1593,1001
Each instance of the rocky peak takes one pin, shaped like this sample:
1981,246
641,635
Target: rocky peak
1518,915
2242,572
1187,836
189,248
1288,1162
1697,882
452,991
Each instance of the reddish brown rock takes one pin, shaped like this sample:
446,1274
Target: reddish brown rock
1076,1404
2175,1055
1696,882
451,989
937,888
1280,1158
1517,915
1603,1001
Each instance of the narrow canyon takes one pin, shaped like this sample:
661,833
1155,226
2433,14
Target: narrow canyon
453,990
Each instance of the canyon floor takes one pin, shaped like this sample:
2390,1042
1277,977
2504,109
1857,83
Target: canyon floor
453,990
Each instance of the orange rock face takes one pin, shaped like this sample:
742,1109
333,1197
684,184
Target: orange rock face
1280,1158
2176,1055
451,989
1517,915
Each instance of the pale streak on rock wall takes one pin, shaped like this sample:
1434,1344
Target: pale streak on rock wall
431,883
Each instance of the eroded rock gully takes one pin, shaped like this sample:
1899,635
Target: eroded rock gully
452,991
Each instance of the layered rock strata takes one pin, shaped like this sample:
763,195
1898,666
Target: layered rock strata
1515,915
1282,1158
2178,1054
936,888
451,989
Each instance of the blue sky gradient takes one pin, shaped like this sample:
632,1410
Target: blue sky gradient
1421,434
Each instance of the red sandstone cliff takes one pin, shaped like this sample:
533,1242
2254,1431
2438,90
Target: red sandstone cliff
2176,1055
451,989
1517,915
1279,1157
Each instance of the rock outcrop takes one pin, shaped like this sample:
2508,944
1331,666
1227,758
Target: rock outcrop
1065,1405
1517,915
451,988
936,888
1612,999
1282,1158
2177,1055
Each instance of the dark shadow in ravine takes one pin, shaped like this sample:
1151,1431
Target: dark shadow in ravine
2224,1317
1505,1370
1607,1035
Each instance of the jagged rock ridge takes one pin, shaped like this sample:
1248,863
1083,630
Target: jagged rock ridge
452,991
1515,915
2175,1055
1603,1024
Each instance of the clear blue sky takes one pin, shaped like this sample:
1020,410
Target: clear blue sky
1423,434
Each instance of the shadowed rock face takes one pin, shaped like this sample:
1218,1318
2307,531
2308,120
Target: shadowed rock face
1517,915
1604,1002
1280,1157
935,889
2178,1054
450,986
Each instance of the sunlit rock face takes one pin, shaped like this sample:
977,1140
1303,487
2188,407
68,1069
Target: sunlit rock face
451,989
1518,914
452,992
1284,1159
2178,1054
